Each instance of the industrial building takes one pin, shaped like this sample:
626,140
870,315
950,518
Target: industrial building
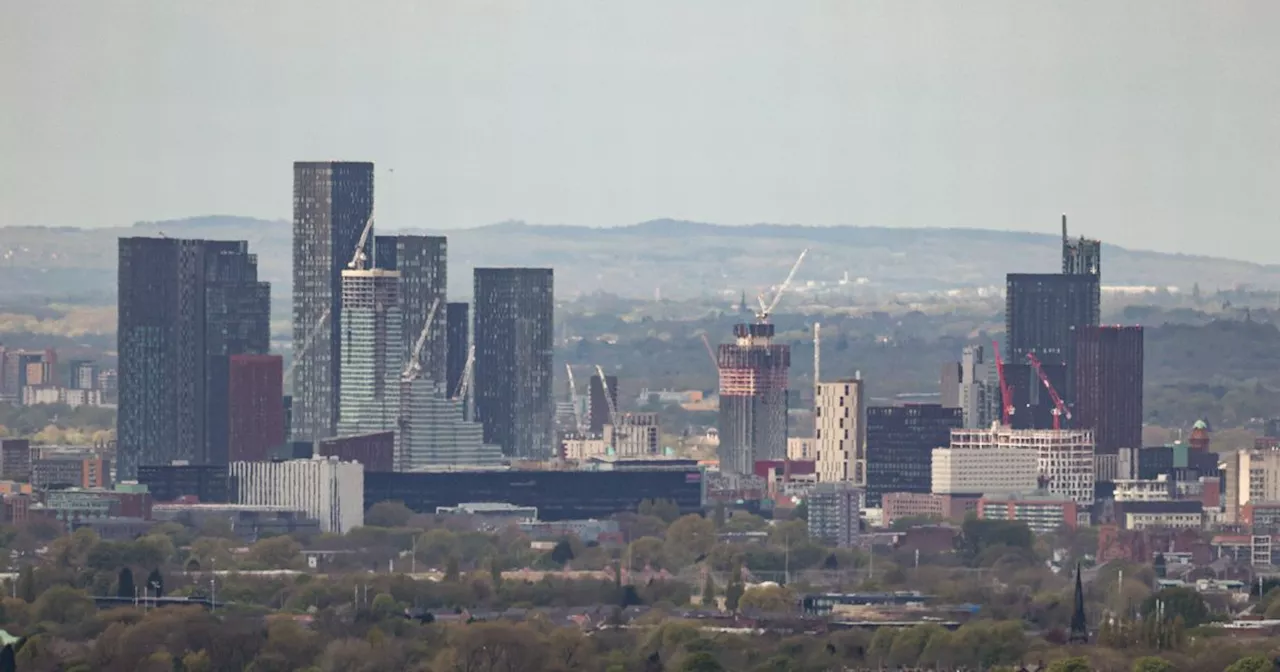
372,358
422,262
322,488
1109,378
840,435
332,203
513,332
1065,456
900,443
557,495
184,307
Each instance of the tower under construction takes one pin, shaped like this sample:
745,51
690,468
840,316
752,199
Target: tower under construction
753,398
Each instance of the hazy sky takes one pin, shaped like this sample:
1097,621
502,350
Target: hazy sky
1155,124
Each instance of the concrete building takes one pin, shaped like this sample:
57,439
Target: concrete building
1249,476
634,435
900,443
1159,489
582,447
1042,513
753,398
840,433
835,513
332,202
1065,457
15,459
33,396
71,472
977,471
1109,386
422,262
803,448
322,488
372,353
185,306
376,451
514,326
83,375
255,407
900,505
434,433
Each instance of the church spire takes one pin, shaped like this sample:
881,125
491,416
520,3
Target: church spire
1079,628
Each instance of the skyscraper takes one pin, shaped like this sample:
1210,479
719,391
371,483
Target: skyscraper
372,352
1109,386
332,202
457,345
422,264
598,405
1041,312
514,313
840,434
184,307
900,443
753,398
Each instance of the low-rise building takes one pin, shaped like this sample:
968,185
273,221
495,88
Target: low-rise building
977,471
15,459
322,488
835,513
901,505
1158,489
1043,513
634,435
71,472
248,522
491,511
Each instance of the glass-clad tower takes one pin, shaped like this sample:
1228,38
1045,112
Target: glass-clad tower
372,356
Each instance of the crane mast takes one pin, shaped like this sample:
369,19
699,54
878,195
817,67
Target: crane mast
767,310
1006,395
608,401
573,399
306,345
413,368
464,385
1059,408
359,257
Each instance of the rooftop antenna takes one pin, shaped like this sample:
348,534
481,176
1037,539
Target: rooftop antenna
1064,227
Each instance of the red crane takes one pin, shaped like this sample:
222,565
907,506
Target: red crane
1059,409
1006,396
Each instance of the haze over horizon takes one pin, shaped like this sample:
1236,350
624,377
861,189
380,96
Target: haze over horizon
1153,128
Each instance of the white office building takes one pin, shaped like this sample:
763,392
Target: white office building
840,436
1065,457
978,471
322,487
634,435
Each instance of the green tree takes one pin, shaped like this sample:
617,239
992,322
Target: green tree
1152,664
701,661
124,586
665,509
27,583
276,552
562,553
63,605
451,571
388,514
735,588
1177,602
155,583
1076,664
768,599
709,591
688,538
1251,664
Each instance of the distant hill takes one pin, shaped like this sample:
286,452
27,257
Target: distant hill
679,259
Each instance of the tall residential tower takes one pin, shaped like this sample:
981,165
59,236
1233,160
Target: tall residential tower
753,398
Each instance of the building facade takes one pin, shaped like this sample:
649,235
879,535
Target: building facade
457,346
835,513
1042,311
977,471
1065,457
323,488
754,375
1109,363
332,202
15,459
372,358
634,435
840,433
255,412
71,472
1042,513
977,395
900,443
375,451
434,432
185,306
514,327
422,262
204,482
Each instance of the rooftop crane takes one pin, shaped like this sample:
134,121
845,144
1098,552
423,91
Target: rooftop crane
1059,408
573,399
306,345
710,352
413,368
767,310
359,257
1006,395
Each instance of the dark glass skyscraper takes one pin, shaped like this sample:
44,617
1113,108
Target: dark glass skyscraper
332,201
900,443
184,306
1109,386
422,263
514,313
458,345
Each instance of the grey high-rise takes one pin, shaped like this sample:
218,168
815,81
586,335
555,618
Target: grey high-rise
458,330
372,354
332,201
184,306
514,310
422,264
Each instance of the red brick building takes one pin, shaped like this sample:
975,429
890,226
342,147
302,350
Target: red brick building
256,407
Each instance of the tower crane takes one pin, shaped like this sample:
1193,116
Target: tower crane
573,399
710,352
1059,408
413,368
614,419
464,385
359,257
767,309
1006,395
306,345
